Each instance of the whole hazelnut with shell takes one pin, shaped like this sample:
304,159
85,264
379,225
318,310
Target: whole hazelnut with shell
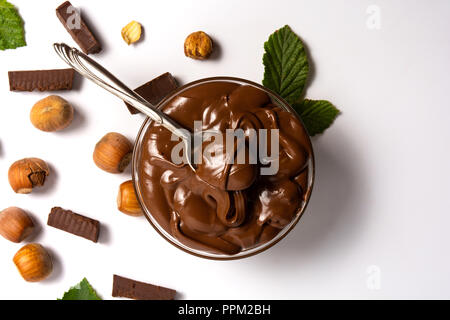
15,224
113,152
33,262
51,114
127,201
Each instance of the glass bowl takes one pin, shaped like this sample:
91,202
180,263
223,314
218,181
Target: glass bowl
276,99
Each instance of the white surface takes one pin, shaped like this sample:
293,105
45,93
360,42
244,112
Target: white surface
383,176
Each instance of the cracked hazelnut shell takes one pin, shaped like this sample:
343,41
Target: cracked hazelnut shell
113,152
198,45
25,174
51,114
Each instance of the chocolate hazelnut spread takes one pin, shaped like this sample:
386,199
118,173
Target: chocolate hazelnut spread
223,207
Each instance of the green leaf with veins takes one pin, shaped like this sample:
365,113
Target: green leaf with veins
11,27
286,64
317,115
82,291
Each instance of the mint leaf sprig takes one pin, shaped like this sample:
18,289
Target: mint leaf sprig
11,27
81,291
286,64
317,115
286,70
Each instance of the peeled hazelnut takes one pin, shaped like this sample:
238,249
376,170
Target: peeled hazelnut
33,262
113,153
26,174
15,224
198,45
131,33
127,201
51,114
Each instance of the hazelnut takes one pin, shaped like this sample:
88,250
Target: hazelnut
51,114
198,45
33,262
131,33
113,153
15,224
26,174
127,201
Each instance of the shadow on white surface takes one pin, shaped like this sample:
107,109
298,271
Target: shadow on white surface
217,50
38,229
334,215
58,271
180,296
105,234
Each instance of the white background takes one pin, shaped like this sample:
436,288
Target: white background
382,190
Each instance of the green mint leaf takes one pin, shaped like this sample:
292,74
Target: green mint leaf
82,291
317,115
12,34
285,64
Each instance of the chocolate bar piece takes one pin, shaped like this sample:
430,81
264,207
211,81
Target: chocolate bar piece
154,91
123,287
71,19
42,80
74,223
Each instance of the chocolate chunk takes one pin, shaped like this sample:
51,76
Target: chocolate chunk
71,19
155,90
74,223
123,287
42,80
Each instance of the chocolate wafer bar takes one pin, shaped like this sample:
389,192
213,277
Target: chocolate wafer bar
71,19
42,80
155,90
74,223
127,288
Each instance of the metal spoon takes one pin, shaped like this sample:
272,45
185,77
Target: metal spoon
92,70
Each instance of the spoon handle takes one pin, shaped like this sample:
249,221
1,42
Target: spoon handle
92,70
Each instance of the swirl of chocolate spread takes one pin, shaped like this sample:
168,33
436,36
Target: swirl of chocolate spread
224,208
